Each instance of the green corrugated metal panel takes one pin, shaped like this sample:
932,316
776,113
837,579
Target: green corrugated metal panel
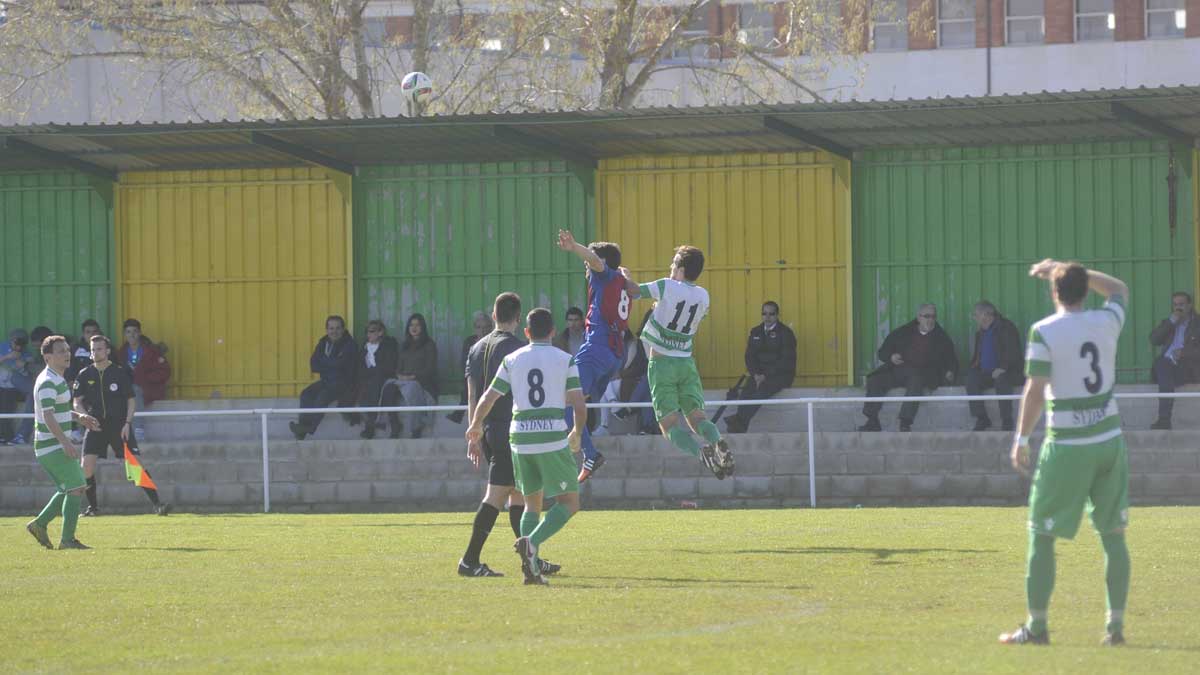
56,251
444,240
953,226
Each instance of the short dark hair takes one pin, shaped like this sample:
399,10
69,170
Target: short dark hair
1182,294
540,322
335,317
134,323
574,311
40,333
103,338
376,323
691,261
507,307
1070,283
987,307
48,343
773,305
609,252
89,322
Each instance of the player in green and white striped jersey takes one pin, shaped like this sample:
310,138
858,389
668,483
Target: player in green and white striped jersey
543,381
675,389
53,448
1072,366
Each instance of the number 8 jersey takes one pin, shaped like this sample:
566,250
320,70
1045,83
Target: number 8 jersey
538,375
676,318
1078,352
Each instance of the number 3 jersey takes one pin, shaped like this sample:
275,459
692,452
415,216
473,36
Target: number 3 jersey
1078,352
676,317
538,375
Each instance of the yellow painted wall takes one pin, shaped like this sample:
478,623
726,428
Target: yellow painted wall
772,227
236,271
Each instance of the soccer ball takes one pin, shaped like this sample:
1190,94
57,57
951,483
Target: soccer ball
417,87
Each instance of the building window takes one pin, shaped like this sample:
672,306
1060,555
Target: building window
1165,18
686,50
889,26
1094,20
956,23
1025,22
756,26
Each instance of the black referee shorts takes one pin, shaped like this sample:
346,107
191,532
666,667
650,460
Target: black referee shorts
499,456
98,442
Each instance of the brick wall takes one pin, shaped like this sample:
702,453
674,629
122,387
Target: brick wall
981,9
922,24
1060,21
641,472
1193,18
1131,19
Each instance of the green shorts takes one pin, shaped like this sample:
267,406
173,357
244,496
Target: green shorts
64,471
1068,477
674,385
551,473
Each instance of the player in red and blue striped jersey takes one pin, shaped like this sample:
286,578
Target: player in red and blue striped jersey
610,295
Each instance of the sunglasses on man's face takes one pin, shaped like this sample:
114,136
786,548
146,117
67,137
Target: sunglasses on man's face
768,313
928,316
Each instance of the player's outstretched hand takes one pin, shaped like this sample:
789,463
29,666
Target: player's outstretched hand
566,240
474,454
574,441
1020,458
625,272
1043,269
90,422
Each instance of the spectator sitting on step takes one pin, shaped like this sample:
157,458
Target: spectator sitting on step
14,370
998,360
571,338
770,365
482,323
376,367
1179,362
151,371
334,360
81,353
918,356
417,375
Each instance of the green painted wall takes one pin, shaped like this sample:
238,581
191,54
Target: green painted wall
444,240
953,226
55,252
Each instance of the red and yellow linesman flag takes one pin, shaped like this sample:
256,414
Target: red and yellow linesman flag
135,472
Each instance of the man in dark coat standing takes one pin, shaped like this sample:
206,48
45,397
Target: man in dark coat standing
1179,362
998,360
770,364
335,359
917,356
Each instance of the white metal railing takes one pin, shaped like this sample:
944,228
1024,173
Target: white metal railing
809,402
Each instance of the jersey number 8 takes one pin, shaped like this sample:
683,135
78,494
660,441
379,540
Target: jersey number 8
537,395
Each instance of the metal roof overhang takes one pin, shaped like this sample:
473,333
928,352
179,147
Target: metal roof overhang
841,128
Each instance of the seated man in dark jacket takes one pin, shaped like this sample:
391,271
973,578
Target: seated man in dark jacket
917,356
1179,362
770,364
997,361
376,365
335,360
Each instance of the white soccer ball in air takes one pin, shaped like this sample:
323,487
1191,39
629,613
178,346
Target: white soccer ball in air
417,87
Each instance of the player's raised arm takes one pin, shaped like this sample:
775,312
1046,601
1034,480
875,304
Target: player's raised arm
1099,282
566,241
632,288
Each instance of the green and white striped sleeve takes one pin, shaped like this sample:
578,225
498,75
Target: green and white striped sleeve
500,383
573,376
654,289
1037,355
1116,305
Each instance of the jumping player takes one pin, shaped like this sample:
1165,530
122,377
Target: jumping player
610,292
1071,364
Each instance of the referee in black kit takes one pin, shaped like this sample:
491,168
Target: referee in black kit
104,390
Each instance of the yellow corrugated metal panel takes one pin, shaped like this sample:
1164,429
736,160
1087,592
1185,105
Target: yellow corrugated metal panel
236,271
772,227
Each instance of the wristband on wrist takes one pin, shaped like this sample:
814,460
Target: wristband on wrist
1022,440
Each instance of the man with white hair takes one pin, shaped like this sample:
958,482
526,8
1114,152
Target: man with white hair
918,356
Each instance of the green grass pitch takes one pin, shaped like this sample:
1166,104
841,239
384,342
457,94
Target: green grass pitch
835,590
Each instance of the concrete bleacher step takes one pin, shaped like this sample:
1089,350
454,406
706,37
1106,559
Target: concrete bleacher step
931,417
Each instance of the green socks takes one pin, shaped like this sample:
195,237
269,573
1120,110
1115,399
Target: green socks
529,522
1116,575
709,431
1039,580
70,511
556,517
52,509
683,439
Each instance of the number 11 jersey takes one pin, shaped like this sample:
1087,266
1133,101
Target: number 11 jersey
1077,351
538,375
676,318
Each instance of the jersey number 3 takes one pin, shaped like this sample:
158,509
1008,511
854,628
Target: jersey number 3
1089,350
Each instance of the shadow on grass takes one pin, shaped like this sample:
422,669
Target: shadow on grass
674,582
458,525
178,549
883,556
